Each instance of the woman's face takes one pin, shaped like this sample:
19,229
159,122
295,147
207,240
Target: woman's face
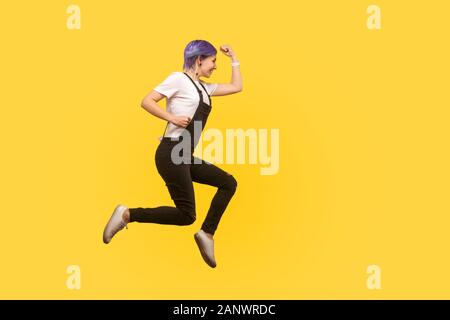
208,65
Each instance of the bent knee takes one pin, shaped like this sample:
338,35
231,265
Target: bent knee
189,216
230,183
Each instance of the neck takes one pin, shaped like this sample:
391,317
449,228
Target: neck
191,73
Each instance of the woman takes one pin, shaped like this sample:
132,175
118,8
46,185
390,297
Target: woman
188,103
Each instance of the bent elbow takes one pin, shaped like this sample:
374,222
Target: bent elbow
144,103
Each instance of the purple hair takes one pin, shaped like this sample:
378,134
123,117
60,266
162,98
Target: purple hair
195,49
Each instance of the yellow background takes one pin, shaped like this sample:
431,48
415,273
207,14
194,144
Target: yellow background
363,179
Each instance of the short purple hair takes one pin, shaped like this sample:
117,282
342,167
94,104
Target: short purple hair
195,49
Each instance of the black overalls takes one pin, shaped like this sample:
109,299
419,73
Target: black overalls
179,177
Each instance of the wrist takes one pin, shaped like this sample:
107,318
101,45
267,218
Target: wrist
234,59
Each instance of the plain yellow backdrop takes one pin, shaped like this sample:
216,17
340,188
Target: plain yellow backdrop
364,136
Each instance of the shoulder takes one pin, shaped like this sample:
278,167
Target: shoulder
177,74
173,79
178,77
174,75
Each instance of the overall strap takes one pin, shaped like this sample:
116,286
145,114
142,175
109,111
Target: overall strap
199,91
204,89
165,128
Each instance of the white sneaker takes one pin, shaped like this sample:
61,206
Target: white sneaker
206,246
115,223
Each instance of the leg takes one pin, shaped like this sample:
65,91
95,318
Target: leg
207,173
179,183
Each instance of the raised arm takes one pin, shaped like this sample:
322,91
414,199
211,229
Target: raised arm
235,85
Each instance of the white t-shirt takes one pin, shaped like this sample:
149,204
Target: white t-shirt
182,98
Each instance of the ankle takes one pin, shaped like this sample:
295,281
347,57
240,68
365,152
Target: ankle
209,235
126,216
